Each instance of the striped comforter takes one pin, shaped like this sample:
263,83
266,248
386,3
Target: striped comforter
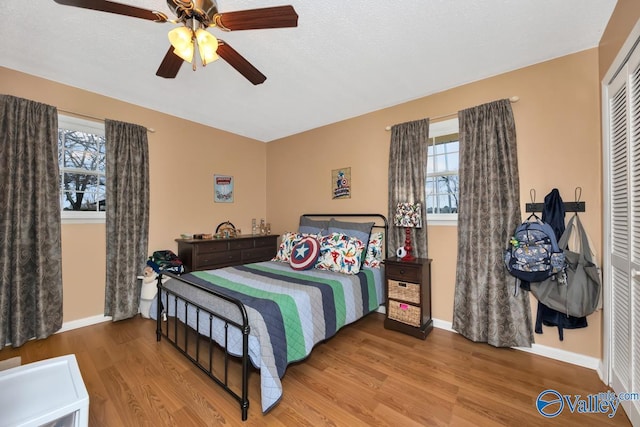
289,311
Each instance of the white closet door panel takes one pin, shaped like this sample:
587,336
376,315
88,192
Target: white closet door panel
634,282
621,226
621,340
619,168
623,165
634,163
634,414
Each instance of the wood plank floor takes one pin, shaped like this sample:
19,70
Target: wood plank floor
366,375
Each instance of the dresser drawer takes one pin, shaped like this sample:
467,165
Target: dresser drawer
209,247
218,258
267,241
258,254
241,244
405,313
404,272
404,291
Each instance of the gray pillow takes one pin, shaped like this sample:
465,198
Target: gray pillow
359,230
312,226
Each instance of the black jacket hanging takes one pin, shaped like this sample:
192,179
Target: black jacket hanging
553,212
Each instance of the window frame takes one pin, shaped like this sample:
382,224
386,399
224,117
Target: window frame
436,129
93,127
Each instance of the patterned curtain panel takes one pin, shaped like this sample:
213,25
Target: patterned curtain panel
127,216
30,249
485,307
407,181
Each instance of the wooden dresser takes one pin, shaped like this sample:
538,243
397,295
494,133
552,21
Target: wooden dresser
210,254
408,296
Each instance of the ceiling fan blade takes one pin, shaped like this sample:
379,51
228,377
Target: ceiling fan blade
238,62
255,19
117,8
170,65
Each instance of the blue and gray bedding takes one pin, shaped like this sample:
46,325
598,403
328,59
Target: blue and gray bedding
289,311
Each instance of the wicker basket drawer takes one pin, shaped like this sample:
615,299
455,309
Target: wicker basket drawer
404,291
405,313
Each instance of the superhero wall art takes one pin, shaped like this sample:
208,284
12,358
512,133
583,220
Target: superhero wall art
341,183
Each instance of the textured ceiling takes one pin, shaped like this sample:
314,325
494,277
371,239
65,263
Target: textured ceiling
345,58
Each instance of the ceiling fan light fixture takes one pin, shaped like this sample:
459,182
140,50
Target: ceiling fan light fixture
181,39
194,15
207,46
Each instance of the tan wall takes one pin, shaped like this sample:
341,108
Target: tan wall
184,156
558,128
557,123
622,21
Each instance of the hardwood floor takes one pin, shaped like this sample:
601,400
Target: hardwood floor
366,375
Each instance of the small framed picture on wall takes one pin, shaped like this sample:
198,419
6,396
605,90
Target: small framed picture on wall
223,189
341,183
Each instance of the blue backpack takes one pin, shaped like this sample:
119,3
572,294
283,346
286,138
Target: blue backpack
533,254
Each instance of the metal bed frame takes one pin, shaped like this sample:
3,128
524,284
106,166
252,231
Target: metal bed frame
206,364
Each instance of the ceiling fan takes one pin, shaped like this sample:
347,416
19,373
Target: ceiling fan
195,17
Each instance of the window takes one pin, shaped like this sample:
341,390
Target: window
82,161
443,181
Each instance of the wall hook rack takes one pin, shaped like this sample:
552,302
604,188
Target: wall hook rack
576,206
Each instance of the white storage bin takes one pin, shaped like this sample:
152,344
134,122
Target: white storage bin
46,393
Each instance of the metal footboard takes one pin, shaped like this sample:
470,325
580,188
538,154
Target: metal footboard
189,340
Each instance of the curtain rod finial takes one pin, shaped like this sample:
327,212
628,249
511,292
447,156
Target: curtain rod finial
514,99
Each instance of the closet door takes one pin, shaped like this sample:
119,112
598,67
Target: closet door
623,103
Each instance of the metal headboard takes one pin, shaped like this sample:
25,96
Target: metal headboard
379,221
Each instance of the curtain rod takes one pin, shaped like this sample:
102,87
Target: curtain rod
513,99
86,116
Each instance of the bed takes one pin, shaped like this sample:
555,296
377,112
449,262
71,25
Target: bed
270,314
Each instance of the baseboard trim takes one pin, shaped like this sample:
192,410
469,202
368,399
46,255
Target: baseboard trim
537,349
600,371
81,323
75,324
545,351
563,356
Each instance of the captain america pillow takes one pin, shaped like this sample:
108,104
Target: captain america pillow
305,254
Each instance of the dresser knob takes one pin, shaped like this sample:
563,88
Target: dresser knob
401,271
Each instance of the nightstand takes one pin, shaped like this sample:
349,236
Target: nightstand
408,286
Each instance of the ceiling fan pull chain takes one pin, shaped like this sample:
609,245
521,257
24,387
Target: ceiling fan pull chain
194,41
